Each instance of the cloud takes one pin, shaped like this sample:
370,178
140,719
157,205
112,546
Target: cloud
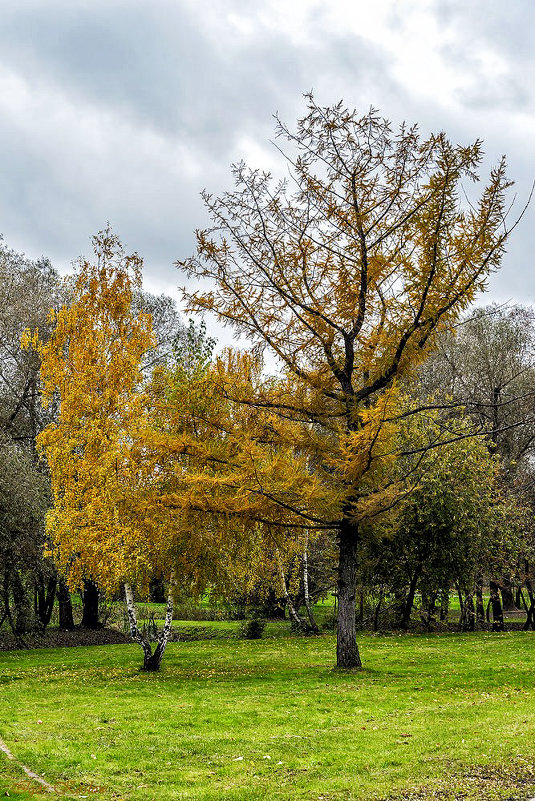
123,110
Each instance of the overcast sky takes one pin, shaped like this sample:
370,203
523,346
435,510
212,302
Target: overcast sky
123,110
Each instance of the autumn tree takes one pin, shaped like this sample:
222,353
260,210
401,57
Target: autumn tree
346,271
121,512
102,525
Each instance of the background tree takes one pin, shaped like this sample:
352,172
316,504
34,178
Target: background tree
24,498
488,366
442,533
346,273
28,290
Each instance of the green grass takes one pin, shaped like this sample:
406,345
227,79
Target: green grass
423,711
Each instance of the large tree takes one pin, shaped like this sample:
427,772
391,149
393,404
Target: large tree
346,271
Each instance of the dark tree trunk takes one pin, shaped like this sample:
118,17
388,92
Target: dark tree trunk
66,619
461,608
406,610
444,606
347,652
44,596
157,591
530,611
468,613
429,608
23,613
480,606
377,611
90,609
497,611
508,601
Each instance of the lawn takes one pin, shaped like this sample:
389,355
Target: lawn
271,720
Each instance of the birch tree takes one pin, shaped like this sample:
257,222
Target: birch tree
105,523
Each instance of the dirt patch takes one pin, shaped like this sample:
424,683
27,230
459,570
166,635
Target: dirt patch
59,638
509,782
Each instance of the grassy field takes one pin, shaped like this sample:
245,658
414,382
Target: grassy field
271,719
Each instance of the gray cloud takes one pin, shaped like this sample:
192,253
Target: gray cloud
123,110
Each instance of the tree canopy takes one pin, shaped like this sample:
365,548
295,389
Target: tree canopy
346,271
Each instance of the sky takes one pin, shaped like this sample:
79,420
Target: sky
124,110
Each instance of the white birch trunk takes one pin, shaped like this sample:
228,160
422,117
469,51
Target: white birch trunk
163,637
310,613
151,661
294,615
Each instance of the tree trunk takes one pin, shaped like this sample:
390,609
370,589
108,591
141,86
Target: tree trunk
23,610
90,609
347,652
468,613
497,611
508,601
44,596
406,610
530,611
378,609
151,661
295,617
444,606
310,613
480,606
66,619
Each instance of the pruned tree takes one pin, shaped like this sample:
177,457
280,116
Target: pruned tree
346,271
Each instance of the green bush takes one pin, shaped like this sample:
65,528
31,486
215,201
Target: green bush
253,629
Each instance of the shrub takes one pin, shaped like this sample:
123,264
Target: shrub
253,629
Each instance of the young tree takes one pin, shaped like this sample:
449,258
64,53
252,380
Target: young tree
116,455
346,272
103,525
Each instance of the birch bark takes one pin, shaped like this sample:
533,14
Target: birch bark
310,613
151,661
